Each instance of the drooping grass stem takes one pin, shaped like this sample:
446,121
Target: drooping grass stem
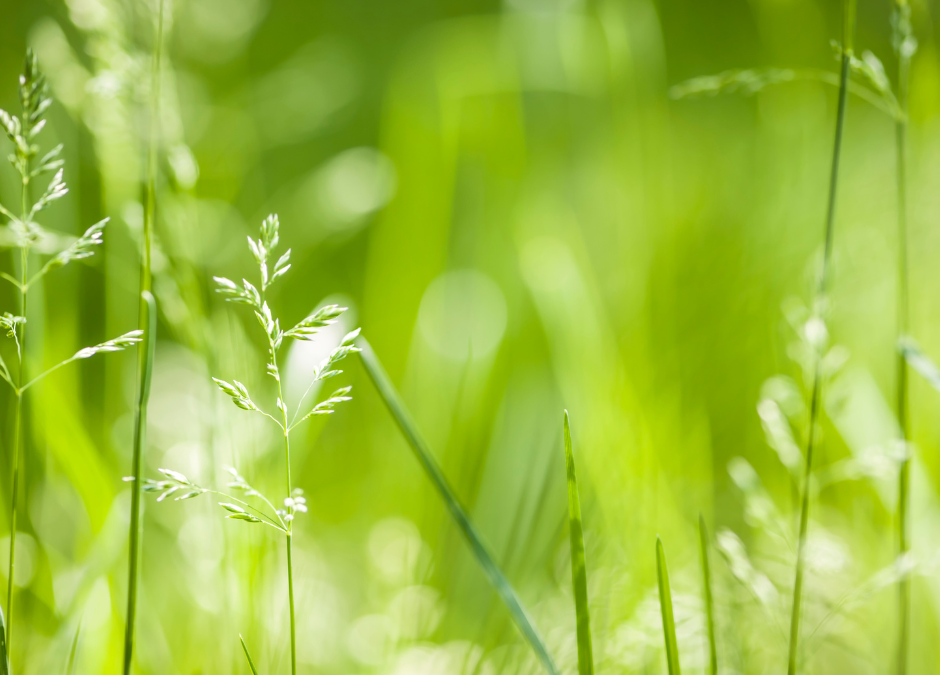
822,288
903,49
145,353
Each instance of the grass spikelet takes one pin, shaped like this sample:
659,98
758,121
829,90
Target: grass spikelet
578,568
665,607
495,575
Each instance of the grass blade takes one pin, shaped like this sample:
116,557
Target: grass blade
73,652
4,656
665,606
578,568
423,454
251,664
848,30
145,366
709,601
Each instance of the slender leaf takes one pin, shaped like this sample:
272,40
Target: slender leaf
4,656
578,568
148,316
73,652
251,664
709,601
423,454
665,606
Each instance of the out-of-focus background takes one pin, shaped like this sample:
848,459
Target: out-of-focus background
522,221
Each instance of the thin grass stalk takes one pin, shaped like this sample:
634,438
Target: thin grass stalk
73,652
848,30
902,19
578,567
494,574
709,600
18,435
289,529
665,608
146,322
251,663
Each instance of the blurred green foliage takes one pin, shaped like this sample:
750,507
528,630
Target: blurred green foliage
522,221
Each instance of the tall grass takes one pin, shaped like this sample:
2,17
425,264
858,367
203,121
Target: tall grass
578,567
904,45
147,322
848,31
708,597
28,234
665,608
495,575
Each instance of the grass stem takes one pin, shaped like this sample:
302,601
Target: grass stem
902,27
578,567
816,402
147,315
709,600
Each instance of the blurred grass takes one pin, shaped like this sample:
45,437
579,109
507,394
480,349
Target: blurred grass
527,223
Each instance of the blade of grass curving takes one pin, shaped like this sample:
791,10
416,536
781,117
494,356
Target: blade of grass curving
491,569
709,600
145,361
251,664
848,30
578,568
903,43
73,652
146,321
665,607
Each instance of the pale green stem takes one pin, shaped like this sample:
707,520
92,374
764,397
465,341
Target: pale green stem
904,584
146,321
848,29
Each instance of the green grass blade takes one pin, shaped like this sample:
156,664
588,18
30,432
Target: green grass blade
422,452
920,362
665,606
4,656
251,664
578,568
73,652
145,371
709,601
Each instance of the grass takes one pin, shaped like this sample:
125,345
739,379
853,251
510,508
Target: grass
578,567
495,575
904,47
665,608
294,503
822,290
28,234
708,596
472,436
146,322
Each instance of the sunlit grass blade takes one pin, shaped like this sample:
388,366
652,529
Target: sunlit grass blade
848,32
578,568
665,606
422,452
4,656
73,652
145,364
920,362
251,664
709,601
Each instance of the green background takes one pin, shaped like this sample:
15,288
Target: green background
522,221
